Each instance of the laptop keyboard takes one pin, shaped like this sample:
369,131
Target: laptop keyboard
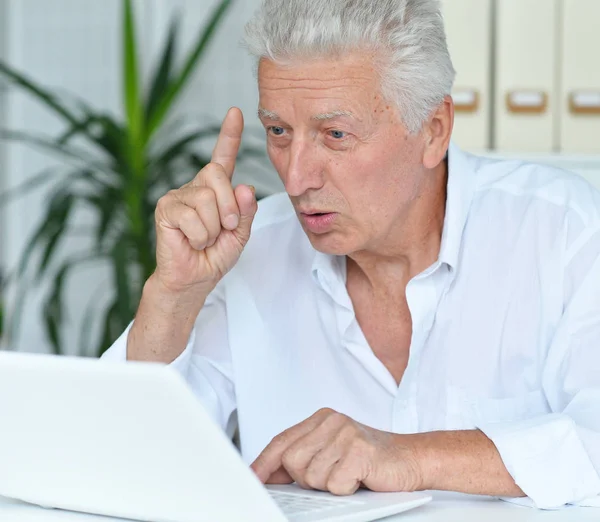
296,503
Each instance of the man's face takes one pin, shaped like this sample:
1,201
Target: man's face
349,165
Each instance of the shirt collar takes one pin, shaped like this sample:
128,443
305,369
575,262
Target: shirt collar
460,189
459,194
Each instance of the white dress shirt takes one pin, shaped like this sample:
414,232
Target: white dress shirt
506,331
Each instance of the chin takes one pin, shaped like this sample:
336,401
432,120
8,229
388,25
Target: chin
332,244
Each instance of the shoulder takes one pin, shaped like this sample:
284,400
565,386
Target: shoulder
540,188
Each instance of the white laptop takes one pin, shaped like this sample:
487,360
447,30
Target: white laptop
131,440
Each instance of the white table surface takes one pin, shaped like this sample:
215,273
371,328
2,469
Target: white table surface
445,507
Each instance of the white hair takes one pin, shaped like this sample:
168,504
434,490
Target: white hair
408,36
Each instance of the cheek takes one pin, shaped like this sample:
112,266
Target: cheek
278,159
378,184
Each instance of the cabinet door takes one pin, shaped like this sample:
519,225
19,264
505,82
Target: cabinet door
580,77
526,86
469,33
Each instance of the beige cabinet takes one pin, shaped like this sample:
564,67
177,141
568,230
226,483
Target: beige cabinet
526,76
469,32
580,77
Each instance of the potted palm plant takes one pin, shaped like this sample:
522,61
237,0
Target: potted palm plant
118,168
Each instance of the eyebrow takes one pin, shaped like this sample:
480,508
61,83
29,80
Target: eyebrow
264,113
332,115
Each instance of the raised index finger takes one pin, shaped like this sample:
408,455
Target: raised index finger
228,142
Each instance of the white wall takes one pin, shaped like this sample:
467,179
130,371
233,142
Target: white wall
2,124
74,45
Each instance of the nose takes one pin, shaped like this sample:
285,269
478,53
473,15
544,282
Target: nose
305,169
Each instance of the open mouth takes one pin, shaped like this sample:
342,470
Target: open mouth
319,222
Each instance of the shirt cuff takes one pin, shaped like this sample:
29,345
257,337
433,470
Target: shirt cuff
547,460
118,352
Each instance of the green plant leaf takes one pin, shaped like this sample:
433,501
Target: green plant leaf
109,205
47,98
53,227
175,87
53,307
35,182
47,145
51,174
133,103
77,125
53,311
176,149
120,312
162,76
120,261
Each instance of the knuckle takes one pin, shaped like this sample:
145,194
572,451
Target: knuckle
196,233
282,438
187,215
164,202
278,440
313,479
205,196
337,420
171,195
214,169
358,447
290,460
349,430
325,412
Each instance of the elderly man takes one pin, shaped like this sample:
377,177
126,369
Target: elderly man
408,316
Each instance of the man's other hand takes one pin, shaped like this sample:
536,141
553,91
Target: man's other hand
331,452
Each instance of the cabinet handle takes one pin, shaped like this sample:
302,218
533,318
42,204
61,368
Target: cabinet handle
465,100
584,102
527,102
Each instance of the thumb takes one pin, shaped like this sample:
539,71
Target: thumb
246,200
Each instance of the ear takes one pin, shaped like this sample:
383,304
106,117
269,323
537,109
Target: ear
437,132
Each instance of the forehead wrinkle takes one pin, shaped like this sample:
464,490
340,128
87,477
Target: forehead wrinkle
301,76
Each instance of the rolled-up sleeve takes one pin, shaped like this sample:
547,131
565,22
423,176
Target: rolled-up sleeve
205,363
555,458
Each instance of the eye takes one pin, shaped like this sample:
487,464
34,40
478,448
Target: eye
276,131
337,134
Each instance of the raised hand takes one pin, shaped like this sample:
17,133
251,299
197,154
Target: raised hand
203,227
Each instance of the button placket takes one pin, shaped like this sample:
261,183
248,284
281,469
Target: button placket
422,298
